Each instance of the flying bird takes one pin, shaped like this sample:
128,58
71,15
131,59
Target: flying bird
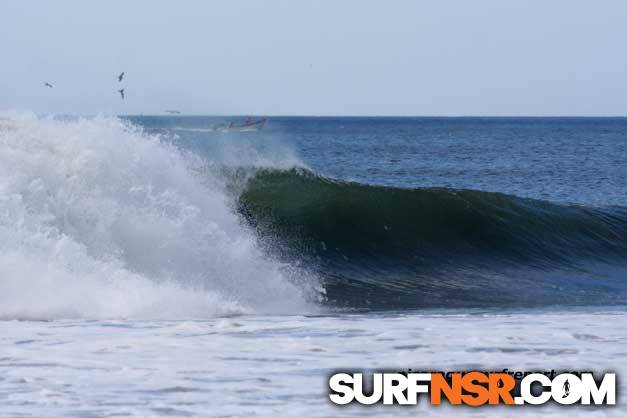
121,76
48,85
121,91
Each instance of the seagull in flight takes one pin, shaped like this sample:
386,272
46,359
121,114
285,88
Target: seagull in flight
48,85
121,76
121,91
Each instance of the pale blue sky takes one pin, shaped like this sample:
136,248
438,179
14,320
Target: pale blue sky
481,57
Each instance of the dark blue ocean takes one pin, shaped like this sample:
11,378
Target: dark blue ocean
574,160
433,212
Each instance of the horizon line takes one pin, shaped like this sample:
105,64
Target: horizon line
369,116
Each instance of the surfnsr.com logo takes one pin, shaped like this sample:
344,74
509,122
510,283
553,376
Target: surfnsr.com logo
472,388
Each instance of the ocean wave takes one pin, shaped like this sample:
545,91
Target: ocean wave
379,246
99,219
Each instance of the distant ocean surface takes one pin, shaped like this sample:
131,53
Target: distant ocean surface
153,266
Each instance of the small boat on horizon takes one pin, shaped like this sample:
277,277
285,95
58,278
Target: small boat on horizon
249,125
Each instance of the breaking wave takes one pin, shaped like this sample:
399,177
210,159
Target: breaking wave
100,220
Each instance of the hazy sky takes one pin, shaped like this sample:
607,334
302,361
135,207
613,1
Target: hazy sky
481,57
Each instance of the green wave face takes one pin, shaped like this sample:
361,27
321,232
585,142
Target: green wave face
385,247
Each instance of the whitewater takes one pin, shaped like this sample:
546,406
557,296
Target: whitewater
139,276
99,220
258,365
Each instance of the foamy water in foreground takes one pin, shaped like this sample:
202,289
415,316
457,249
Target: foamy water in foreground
279,365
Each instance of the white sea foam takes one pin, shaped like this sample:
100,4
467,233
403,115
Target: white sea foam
100,220
269,366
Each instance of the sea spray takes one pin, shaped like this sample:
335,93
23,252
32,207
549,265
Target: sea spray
100,220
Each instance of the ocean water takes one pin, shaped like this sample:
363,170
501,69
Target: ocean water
151,266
